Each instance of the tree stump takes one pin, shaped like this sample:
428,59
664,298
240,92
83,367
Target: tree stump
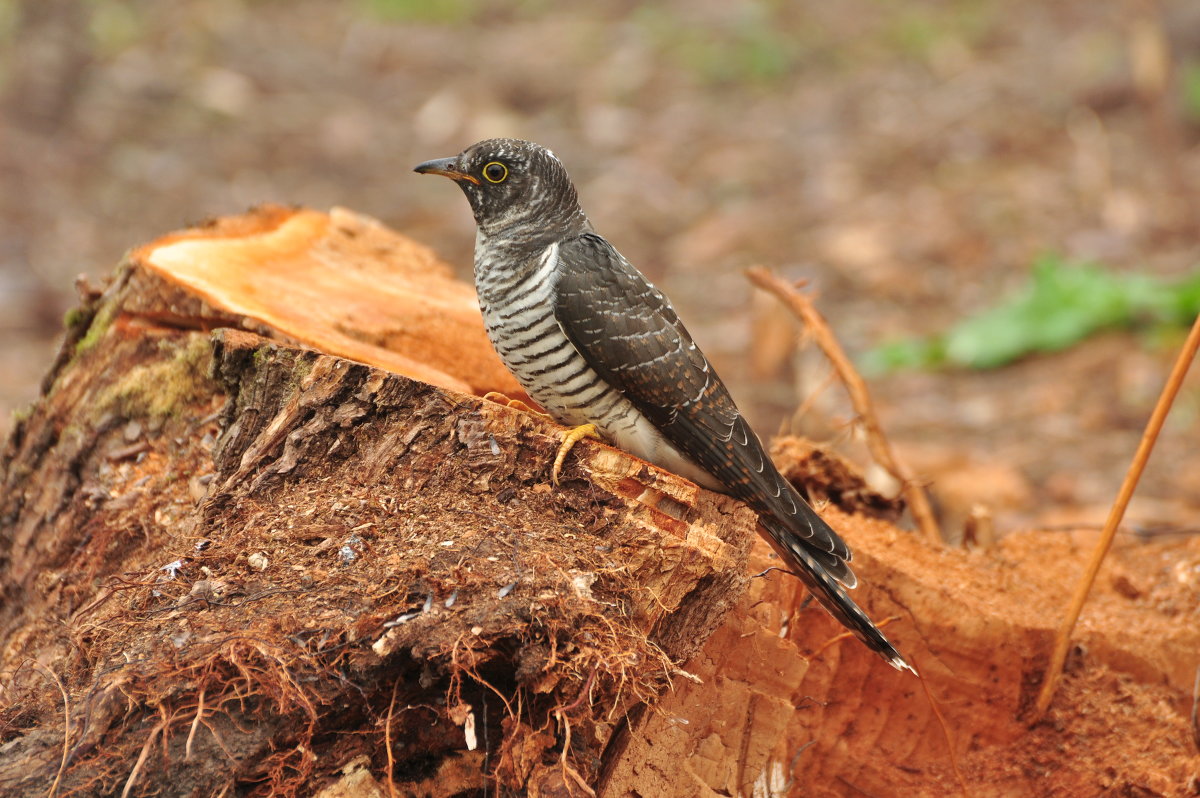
231,548
260,536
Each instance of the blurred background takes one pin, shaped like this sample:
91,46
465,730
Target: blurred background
996,201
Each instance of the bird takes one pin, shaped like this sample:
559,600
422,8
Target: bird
592,341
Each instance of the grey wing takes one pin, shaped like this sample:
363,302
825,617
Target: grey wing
629,333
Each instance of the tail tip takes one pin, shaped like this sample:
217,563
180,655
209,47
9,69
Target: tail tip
897,661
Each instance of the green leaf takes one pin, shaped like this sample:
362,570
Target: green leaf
1062,304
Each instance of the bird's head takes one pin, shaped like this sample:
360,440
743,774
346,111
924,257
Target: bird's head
514,187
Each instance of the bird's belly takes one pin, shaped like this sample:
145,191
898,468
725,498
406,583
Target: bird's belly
637,435
556,376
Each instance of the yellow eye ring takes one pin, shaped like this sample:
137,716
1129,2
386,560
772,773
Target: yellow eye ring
495,172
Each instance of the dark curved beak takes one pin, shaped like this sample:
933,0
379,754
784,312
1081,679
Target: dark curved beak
446,167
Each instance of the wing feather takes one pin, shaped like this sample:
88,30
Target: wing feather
630,335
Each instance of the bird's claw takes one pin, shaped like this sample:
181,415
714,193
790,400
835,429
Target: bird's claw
515,404
570,438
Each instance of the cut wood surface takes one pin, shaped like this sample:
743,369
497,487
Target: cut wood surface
338,282
269,542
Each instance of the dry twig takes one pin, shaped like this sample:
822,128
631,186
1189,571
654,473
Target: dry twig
1062,639
856,387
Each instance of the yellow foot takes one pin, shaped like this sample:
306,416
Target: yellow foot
516,404
572,437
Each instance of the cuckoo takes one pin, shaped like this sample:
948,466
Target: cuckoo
602,350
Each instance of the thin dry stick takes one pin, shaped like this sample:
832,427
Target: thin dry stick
856,387
1063,639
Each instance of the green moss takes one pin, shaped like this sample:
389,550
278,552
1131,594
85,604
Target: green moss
1189,90
74,317
162,388
301,366
22,414
115,26
300,370
100,323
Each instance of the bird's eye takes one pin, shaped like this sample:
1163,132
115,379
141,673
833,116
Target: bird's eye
495,172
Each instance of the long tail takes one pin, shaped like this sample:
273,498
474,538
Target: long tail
817,570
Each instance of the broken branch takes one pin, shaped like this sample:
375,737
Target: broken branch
856,387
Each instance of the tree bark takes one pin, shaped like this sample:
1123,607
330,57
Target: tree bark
260,537
232,549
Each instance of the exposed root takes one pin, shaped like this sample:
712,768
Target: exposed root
187,748
66,743
141,760
310,593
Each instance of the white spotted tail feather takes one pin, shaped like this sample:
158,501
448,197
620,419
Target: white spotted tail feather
833,597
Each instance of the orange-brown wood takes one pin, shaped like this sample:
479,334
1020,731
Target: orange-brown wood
340,283
249,562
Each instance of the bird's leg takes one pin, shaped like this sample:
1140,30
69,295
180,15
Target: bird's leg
572,437
515,404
